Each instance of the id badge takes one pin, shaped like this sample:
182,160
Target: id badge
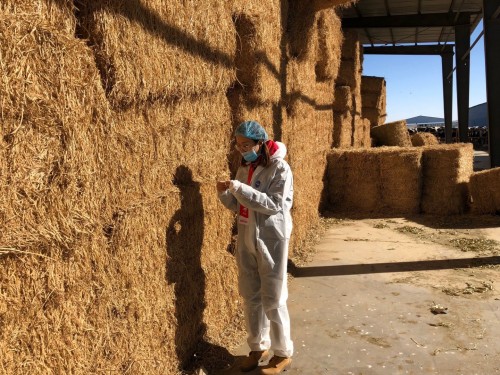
243,217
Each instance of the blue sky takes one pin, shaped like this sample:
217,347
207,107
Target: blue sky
414,83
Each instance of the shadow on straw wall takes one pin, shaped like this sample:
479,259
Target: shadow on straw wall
135,11
184,240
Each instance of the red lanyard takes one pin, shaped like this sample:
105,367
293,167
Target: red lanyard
243,210
250,174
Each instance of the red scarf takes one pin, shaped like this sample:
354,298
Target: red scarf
272,147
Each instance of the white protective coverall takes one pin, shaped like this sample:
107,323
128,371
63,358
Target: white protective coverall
262,250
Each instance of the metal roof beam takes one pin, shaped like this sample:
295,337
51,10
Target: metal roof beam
410,50
414,20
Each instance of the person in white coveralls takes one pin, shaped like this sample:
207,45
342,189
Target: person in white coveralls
262,196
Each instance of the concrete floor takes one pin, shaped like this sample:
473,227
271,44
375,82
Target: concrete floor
363,305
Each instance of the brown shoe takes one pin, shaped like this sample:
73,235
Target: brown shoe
276,365
252,361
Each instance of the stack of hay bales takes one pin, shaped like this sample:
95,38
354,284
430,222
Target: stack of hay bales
381,181
166,77
54,262
314,44
350,128
255,94
424,139
397,180
484,191
373,92
391,134
112,238
446,173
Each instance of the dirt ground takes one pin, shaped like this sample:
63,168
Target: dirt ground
473,238
416,295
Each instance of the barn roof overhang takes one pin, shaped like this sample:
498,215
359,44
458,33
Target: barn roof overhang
400,22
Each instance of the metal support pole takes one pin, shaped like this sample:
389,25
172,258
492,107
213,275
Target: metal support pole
491,26
462,43
447,64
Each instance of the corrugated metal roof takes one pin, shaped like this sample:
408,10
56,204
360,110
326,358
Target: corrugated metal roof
423,28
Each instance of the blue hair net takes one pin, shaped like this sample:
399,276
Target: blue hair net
251,129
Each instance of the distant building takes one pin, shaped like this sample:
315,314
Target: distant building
424,121
478,116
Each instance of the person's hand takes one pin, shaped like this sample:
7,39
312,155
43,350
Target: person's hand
222,186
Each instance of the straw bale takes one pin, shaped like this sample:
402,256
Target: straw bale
372,100
424,139
258,51
484,191
378,181
361,132
374,85
392,134
59,14
324,96
349,73
300,83
342,99
307,148
446,172
357,104
302,30
342,129
242,110
401,180
329,45
373,91
353,181
376,116
161,49
351,48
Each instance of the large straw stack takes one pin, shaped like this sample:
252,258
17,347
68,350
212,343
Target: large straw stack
373,92
446,172
258,55
378,181
392,134
112,239
329,46
170,102
53,255
485,192
314,43
348,120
